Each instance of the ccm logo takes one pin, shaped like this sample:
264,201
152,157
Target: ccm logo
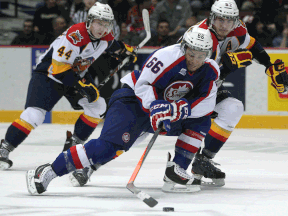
158,106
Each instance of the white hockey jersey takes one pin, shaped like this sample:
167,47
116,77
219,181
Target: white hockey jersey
72,50
164,76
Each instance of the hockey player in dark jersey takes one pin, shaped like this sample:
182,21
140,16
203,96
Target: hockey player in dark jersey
62,71
235,49
177,87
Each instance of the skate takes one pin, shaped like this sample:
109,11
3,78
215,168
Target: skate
38,180
5,149
204,166
175,175
79,178
71,141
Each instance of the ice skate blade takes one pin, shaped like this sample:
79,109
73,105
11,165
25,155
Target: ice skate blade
73,180
170,188
30,182
5,164
214,183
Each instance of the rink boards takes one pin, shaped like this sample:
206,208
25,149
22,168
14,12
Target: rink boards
264,108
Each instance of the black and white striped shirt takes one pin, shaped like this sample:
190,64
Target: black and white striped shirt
80,16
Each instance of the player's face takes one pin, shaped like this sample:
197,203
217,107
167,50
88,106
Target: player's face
99,27
194,59
223,27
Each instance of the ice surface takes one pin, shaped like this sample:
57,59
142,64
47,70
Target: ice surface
255,162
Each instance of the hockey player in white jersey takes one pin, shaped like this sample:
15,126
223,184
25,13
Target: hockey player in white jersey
235,49
177,87
61,71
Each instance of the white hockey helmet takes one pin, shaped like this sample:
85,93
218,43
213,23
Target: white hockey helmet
198,39
226,9
102,12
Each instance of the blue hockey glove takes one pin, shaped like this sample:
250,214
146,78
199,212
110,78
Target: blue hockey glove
160,111
181,109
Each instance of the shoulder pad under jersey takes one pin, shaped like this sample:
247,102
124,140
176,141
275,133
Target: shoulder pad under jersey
77,35
108,37
239,31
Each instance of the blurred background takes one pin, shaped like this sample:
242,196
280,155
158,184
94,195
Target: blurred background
39,22
27,27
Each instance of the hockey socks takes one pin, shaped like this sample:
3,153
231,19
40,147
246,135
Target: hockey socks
215,139
96,151
17,132
181,160
85,125
186,146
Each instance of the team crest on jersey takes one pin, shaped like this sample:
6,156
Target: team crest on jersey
80,64
76,36
126,137
177,90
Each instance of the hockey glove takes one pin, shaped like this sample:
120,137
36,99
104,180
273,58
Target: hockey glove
125,51
239,59
181,109
160,111
278,75
87,89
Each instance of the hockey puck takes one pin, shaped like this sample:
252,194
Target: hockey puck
168,209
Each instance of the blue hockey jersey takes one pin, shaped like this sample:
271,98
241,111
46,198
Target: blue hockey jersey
164,76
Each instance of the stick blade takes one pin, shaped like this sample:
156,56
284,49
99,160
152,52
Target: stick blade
151,202
146,21
146,198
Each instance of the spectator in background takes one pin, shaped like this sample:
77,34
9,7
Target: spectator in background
44,15
134,19
81,14
75,6
176,12
154,3
282,39
59,26
162,38
28,36
196,6
190,22
251,5
64,6
258,30
120,9
128,37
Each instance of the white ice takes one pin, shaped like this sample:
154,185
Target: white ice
255,162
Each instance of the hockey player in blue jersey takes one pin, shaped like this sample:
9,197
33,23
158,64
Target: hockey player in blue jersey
176,86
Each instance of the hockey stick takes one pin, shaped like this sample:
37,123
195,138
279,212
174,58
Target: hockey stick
150,201
146,22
